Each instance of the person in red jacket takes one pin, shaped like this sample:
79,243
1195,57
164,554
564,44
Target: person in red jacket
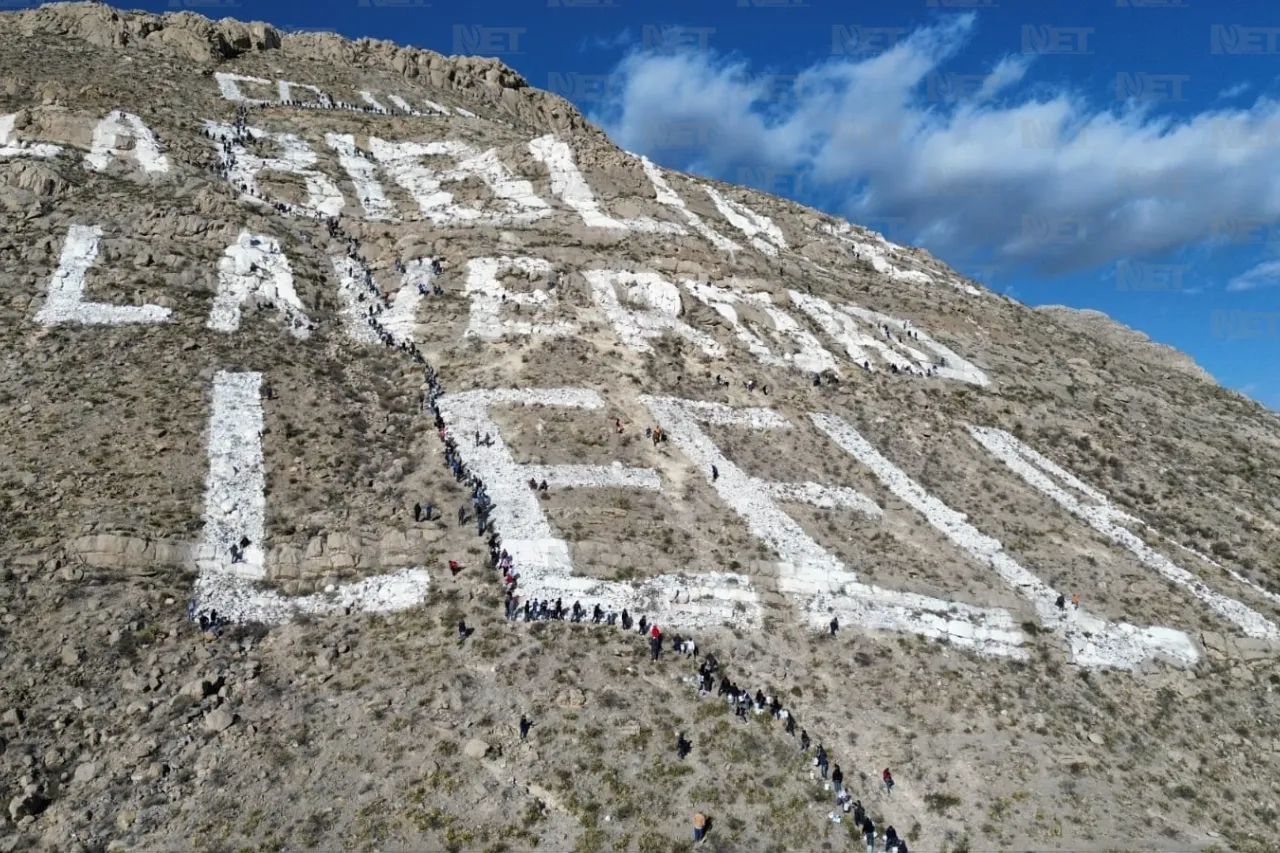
888,780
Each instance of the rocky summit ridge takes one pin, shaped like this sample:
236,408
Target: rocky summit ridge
370,352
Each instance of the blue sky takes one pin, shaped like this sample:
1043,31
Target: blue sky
1122,155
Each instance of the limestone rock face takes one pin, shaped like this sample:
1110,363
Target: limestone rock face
243,270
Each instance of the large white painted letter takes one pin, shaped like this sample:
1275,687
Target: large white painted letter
823,585
666,195
374,103
543,559
10,147
1093,642
361,300
568,183
655,311
404,105
296,158
811,356
488,296
106,144
760,230
361,172
516,198
65,302
875,250
235,511
255,266
286,88
228,85
859,330
1096,510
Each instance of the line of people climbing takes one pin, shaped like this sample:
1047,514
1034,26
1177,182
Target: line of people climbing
535,610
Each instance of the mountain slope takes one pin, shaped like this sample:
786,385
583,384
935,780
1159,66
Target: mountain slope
189,357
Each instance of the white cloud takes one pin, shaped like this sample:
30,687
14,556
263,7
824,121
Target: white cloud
1045,179
1008,72
1265,274
1233,91
621,40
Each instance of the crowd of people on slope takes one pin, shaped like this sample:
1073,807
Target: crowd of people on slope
741,699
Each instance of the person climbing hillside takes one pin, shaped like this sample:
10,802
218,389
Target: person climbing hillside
888,780
699,826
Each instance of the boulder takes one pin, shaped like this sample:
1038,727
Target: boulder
218,720
27,804
198,688
571,697
476,748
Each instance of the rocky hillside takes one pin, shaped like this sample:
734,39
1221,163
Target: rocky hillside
295,330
